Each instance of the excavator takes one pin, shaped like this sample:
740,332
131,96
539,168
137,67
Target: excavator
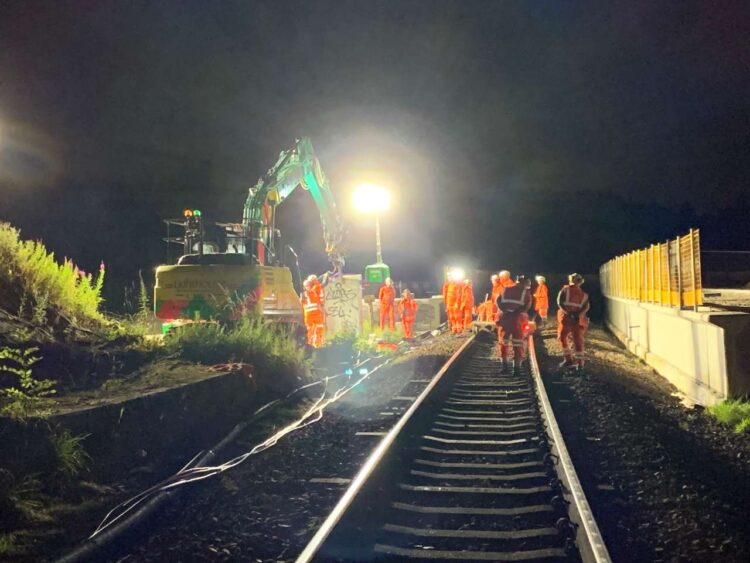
249,276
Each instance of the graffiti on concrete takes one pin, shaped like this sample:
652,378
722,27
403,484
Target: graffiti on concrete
343,297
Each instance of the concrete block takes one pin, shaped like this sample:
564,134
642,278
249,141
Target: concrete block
705,355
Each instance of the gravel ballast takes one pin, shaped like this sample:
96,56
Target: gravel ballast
666,481
268,508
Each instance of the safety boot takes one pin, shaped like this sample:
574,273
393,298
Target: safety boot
565,364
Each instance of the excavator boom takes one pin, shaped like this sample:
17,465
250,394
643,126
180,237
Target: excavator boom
298,166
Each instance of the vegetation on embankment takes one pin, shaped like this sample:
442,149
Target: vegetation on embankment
44,294
58,346
257,341
734,413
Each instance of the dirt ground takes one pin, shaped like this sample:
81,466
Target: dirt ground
666,482
268,508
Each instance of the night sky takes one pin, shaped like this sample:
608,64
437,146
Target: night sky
544,136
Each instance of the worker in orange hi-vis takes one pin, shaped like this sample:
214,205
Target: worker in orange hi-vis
458,317
387,298
514,305
451,299
466,308
499,282
541,299
486,310
313,315
572,322
407,310
497,290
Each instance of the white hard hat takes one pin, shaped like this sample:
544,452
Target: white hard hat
504,274
540,279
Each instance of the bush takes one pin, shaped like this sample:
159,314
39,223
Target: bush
17,402
253,340
733,412
39,290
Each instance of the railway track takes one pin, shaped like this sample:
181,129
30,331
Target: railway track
475,470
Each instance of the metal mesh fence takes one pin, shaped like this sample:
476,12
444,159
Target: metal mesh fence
667,273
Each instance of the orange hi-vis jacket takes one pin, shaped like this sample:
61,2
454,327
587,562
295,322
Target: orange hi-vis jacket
515,299
451,294
541,297
312,307
387,297
317,287
467,297
407,309
572,299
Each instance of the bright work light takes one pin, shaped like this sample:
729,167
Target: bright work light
371,198
456,274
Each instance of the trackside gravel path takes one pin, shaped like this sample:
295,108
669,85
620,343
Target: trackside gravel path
666,482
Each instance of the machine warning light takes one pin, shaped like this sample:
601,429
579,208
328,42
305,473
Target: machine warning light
187,213
197,213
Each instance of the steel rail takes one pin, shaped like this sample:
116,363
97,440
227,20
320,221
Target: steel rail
349,529
591,544
374,459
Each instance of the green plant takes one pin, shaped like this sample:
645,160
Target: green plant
43,290
251,339
17,402
342,337
8,544
71,456
26,495
144,308
734,413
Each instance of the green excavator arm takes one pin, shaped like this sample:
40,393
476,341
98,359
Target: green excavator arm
298,166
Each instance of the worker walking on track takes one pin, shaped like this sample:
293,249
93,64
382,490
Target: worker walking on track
407,310
541,299
387,297
514,305
499,282
466,308
313,313
572,321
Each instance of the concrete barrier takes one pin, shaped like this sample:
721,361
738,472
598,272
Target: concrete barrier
700,353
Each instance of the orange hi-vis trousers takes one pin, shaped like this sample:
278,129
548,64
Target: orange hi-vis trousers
316,328
512,336
387,312
408,325
571,330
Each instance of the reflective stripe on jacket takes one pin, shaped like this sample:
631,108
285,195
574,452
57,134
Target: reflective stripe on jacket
573,299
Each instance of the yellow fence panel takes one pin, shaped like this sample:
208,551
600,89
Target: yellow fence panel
666,273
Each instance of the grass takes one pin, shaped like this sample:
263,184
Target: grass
72,459
8,544
256,341
38,289
733,412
